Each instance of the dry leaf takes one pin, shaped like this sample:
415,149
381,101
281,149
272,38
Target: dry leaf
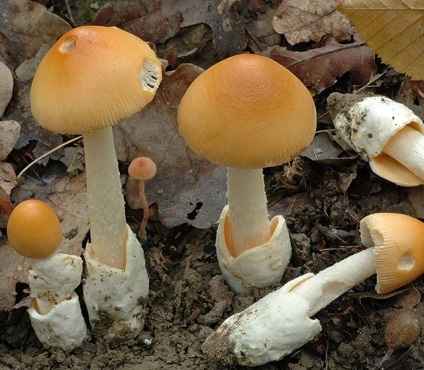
9,134
394,30
160,21
319,68
28,25
6,87
306,20
187,188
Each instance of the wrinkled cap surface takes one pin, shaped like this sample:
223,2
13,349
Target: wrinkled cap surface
247,112
93,77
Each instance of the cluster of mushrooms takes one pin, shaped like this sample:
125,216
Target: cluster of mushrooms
121,73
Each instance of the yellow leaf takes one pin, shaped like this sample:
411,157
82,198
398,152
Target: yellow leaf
394,29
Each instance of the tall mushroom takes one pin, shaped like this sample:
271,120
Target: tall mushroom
33,230
92,78
248,112
281,322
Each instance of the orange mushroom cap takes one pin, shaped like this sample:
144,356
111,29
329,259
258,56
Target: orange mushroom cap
33,229
399,248
142,169
247,112
93,77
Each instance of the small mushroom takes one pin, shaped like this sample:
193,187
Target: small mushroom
142,169
92,78
248,112
33,230
281,322
383,132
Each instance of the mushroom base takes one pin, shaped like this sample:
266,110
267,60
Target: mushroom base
63,326
268,330
257,267
114,297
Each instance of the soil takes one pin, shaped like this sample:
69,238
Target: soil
189,298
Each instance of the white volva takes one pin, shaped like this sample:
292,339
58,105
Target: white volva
385,133
117,295
56,313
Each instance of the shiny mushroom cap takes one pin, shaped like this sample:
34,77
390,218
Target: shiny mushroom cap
247,112
399,248
93,77
33,229
142,169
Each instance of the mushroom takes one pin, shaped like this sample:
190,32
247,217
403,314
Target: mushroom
281,322
248,112
92,78
142,169
383,132
33,230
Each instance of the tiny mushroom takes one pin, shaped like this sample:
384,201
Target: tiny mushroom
281,322
92,78
33,230
248,112
387,134
142,169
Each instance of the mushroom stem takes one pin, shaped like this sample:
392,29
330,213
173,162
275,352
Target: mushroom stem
145,207
248,213
407,147
105,200
326,286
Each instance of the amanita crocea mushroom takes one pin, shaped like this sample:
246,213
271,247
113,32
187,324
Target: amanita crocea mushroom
248,112
91,79
142,169
383,132
33,230
280,322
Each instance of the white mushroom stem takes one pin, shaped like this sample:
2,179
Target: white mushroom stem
407,147
105,200
279,323
329,284
248,213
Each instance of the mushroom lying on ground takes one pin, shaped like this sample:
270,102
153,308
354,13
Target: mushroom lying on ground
248,112
91,79
142,169
280,322
383,132
34,232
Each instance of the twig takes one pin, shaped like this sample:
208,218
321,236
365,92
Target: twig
48,153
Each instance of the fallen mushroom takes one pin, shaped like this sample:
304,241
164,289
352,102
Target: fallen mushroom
248,112
142,169
91,79
33,230
279,323
383,132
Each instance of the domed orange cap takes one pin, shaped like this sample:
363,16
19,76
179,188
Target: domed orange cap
33,229
93,77
247,112
142,169
399,248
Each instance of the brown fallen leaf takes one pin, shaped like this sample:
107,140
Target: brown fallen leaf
319,68
303,21
28,25
394,30
187,188
67,196
160,21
